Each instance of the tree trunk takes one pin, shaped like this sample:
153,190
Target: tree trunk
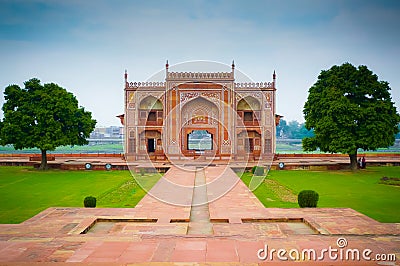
353,161
43,165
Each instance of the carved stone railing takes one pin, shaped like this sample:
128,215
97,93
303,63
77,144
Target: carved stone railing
200,75
146,84
256,85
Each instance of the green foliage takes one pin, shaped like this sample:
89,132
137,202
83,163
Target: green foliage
90,148
89,202
44,117
348,108
253,169
142,171
257,170
292,130
308,199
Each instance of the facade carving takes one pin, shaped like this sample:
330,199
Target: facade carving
212,96
142,95
241,95
252,85
145,85
197,113
200,75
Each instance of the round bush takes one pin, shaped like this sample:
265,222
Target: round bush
257,170
253,169
142,171
308,199
89,202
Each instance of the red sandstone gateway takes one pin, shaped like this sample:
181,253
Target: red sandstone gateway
195,114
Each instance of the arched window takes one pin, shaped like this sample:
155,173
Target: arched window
248,110
150,103
151,111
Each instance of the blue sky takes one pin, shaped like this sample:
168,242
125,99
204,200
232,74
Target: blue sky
85,46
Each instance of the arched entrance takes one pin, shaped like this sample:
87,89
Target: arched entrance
150,142
200,128
200,140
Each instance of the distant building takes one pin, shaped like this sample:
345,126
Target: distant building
112,132
194,113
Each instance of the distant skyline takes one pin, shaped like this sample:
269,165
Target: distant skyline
85,46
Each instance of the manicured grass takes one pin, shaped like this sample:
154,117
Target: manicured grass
95,148
359,190
24,191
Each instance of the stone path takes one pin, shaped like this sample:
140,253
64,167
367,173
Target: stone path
199,214
235,229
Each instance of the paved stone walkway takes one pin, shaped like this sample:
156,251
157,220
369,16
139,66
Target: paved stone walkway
237,228
199,214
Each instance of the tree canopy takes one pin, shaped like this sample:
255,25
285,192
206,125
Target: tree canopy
398,134
43,116
292,130
348,108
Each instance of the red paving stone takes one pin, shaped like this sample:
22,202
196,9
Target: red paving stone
56,234
221,250
246,250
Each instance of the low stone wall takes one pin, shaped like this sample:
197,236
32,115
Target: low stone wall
63,155
332,155
38,158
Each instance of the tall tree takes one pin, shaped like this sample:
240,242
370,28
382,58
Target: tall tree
292,130
348,108
398,134
281,129
44,117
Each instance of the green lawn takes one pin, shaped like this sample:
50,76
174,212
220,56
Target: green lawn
95,148
357,190
24,191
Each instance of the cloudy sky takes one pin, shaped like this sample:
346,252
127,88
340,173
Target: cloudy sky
85,46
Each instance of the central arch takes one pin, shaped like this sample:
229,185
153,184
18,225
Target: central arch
200,127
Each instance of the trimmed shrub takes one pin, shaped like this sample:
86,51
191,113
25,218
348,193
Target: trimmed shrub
257,170
89,202
253,169
308,199
142,171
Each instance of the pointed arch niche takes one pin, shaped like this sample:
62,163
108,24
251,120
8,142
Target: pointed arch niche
151,112
248,109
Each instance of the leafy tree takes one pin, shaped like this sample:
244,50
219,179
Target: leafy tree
348,108
398,134
298,130
43,116
281,129
292,130
303,132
